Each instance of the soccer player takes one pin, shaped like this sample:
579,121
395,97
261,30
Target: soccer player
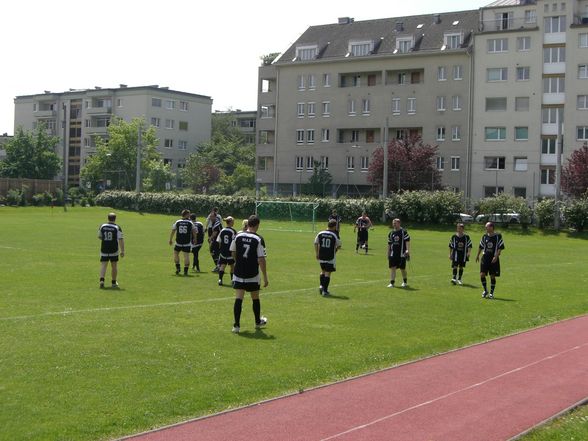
249,255
362,225
214,226
334,216
225,237
398,252
185,234
460,248
111,247
199,241
244,225
326,245
491,245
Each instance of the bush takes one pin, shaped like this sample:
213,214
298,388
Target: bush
502,203
545,213
15,197
575,213
38,199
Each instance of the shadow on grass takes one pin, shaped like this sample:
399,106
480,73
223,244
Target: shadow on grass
502,299
336,297
258,334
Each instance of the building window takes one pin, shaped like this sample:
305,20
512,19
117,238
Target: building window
522,103
440,163
440,102
156,102
310,136
440,133
268,111
520,164
495,104
404,45
355,136
360,48
547,176
325,162
411,106
326,108
503,21
170,104
548,145
452,40
551,115
496,74
169,123
582,133
441,73
306,52
458,72
351,107
300,110
299,163
582,102
555,54
396,106
495,133
456,133
523,73
554,85
182,145
523,44
555,24
325,135
492,191
311,110
520,192
583,40
365,161
456,102
521,133
299,136
119,102
365,106
183,125
494,162
184,106
496,45
34,107
300,82
311,82
350,163
168,143
309,163
530,16
583,71
403,78
455,163
327,80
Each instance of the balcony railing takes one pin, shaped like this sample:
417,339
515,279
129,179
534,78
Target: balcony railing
506,24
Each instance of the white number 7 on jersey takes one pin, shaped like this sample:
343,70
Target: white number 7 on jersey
245,254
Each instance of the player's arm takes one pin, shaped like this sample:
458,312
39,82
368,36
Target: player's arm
171,236
407,245
121,245
263,268
316,250
478,255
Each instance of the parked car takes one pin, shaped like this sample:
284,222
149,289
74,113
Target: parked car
509,217
464,218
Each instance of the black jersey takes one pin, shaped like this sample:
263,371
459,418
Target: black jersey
214,224
248,248
397,240
363,223
489,244
336,218
183,229
109,234
459,247
328,242
225,237
199,232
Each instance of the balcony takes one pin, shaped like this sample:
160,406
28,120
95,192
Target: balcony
554,38
99,110
554,68
554,98
45,113
547,190
96,131
547,159
549,129
506,24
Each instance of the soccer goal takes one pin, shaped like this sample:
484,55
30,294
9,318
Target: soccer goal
302,215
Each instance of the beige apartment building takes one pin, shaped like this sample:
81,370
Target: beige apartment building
244,120
475,83
77,117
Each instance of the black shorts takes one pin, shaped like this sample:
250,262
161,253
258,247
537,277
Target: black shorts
184,248
460,261
397,262
247,286
362,236
109,258
328,267
196,248
226,260
487,267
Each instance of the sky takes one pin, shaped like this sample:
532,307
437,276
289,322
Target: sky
201,47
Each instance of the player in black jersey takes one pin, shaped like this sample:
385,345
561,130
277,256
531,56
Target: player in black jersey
362,225
112,245
225,237
491,245
249,253
326,245
335,217
214,226
460,247
197,245
185,234
398,252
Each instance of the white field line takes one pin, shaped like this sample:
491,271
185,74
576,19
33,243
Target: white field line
450,394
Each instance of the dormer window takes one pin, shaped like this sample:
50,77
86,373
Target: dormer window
452,40
404,44
360,48
305,53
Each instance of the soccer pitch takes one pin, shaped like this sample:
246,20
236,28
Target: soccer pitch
80,363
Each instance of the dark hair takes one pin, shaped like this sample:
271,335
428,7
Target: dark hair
185,212
253,221
193,216
490,224
111,217
332,223
461,225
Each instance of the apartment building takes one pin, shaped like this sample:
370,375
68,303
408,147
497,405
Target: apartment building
244,120
182,120
490,87
3,140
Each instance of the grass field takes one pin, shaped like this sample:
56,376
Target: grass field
570,427
79,363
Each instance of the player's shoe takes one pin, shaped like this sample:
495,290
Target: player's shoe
484,294
390,285
459,282
453,281
101,285
321,290
236,329
262,323
404,285
115,285
491,295
326,293
177,272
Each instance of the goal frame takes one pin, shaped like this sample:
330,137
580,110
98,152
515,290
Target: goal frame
313,205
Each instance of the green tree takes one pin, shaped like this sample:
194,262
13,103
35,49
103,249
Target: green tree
159,176
243,177
31,154
319,181
199,174
116,158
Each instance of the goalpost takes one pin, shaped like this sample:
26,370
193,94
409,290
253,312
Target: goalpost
284,210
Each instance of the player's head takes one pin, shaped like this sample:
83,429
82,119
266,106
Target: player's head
229,221
364,214
193,216
185,213
244,224
111,217
396,223
253,223
333,211
460,227
489,227
332,225
214,210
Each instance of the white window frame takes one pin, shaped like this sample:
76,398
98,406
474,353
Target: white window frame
351,107
360,48
326,108
500,132
455,163
411,105
516,135
309,163
520,164
583,71
582,102
307,52
456,103
325,135
583,40
441,73
452,40
365,163
311,109
324,162
182,145
184,106
440,163
582,133
547,176
170,104
366,107
523,73
299,164
554,24
350,161
311,82
456,133
310,136
168,143
300,110
554,54
404,44
440,104
170,124
458,72
530,16
524,44
299,136
300,82
440,133
326,80
155,122
554,85
494,163
497,45
395,106
502,71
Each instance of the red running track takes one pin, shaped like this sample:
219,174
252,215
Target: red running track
491,391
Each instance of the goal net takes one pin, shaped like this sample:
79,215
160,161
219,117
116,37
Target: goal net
302,215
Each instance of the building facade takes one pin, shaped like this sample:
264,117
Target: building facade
182,120
244,120
489,87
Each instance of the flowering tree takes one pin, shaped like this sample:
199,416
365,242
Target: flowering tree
574,175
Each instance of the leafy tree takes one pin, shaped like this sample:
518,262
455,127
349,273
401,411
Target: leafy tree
224,128
319,181
116,158
411,166
200,174
243,177
159,175
31,154
268,59
574,174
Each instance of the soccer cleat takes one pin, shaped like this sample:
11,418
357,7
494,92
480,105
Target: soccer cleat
390,285
453,281
459,282
321,290
115,285
236,329
491,295
220,282
484,294
404,285
326,293
262,323
101,285
177,272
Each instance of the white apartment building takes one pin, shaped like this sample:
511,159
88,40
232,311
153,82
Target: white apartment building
487,86
182,120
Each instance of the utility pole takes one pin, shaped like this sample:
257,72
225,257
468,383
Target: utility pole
65,157
558,148
385,171
138,171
